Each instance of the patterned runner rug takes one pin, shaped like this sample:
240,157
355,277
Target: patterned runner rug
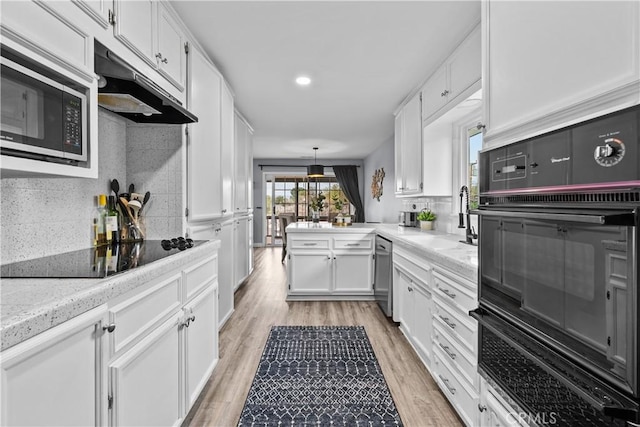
319,376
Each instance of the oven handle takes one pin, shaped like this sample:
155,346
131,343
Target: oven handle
483,317
602,218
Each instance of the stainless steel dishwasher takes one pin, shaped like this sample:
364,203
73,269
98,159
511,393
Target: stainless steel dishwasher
383,284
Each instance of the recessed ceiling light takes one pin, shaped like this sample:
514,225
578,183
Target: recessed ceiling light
303,81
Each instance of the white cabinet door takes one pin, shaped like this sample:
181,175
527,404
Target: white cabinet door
204,197
353,272
412,147
55,378
406,315
134,27
434,93
226,284
145,381
310,272
408,151
227,147
589,67
171,56
397,146
240,191
249,171
465,65
422,328
241,250
96,9
201,342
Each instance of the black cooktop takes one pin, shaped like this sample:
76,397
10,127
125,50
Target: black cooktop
98,262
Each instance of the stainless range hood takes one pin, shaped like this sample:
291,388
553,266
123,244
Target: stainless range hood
124,91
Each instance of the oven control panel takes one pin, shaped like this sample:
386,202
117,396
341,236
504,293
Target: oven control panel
601,153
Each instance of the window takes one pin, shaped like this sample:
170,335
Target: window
474,145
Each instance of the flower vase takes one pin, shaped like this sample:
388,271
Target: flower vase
315,216
426,225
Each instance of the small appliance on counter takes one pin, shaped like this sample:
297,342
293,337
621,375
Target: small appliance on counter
408,219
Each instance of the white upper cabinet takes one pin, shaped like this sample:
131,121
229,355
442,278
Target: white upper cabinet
135,27
99,10
227,131
455,80
204,196
549,65
243,166
151,30
408,149
170,55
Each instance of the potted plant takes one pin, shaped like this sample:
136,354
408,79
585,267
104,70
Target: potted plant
337,204
426,218
316,205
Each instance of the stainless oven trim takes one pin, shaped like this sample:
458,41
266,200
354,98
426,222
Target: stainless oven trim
46,151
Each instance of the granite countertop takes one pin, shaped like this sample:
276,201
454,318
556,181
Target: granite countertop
442,248
31,306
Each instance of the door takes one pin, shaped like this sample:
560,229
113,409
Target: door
240,193
422,308
171,55
201,342
204,200
405,287
55,378
145,381
227,131
310,272
134,27
241,240
353,272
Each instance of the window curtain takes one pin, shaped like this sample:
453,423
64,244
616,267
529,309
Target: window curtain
347,177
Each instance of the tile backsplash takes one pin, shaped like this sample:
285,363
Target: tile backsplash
446,208
44,216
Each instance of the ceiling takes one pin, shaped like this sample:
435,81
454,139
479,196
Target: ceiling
364,58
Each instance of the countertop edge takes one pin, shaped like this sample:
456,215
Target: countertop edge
35,320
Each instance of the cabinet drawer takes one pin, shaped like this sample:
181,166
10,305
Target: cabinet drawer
353,242
309,243
462,329
459,357
138,314
451,291
461,396
198,276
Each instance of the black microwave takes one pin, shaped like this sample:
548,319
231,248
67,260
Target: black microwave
41,118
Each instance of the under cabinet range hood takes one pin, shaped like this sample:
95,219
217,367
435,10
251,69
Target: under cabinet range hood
126,92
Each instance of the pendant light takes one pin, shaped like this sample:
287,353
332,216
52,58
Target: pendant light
315,170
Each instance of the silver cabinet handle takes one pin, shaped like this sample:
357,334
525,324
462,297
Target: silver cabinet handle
160,58
309,244
446,383
448,293
224,210
446,350
109,328
482,408
353,244
445,93
447,321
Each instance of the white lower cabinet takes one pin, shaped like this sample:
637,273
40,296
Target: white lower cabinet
432,305
201,343
411,282
496,412
330,265
145,381
57,378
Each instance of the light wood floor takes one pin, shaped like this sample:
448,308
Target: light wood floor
261,303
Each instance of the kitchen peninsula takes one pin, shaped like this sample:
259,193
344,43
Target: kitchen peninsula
330,262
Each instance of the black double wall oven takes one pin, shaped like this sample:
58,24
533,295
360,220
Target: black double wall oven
558,291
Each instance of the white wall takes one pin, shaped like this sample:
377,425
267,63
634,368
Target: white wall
45,216
386,210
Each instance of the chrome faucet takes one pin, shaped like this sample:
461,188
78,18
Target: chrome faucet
470,233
